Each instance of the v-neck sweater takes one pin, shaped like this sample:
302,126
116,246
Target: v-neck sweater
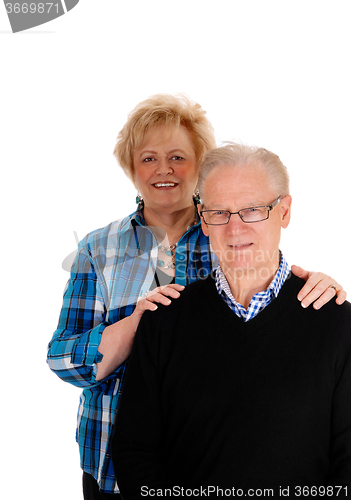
211,400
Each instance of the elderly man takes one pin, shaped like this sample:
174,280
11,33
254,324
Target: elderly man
234,389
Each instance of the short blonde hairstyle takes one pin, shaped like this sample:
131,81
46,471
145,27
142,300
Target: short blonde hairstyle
240,155
158,110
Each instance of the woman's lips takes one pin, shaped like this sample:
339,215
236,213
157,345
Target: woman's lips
165,185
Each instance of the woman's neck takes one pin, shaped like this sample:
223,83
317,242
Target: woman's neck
170,225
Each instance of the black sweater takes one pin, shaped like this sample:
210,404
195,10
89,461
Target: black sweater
210,400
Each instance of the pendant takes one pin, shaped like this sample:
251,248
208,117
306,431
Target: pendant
169,251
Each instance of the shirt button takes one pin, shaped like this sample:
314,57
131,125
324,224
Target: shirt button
181,257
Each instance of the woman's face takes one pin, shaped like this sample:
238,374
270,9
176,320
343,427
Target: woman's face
165,169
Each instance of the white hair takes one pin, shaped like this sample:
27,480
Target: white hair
241,155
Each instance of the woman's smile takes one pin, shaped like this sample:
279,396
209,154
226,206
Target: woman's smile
165,185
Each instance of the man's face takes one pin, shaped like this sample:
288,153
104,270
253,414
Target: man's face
244,248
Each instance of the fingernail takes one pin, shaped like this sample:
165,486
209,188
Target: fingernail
304,305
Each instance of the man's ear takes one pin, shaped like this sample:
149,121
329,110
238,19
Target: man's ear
285,210
203,225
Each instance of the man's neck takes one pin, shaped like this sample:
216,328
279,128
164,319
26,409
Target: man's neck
244,284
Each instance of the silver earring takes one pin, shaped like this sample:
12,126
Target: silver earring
196,197
139,201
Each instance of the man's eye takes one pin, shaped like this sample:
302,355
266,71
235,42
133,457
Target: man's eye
219,212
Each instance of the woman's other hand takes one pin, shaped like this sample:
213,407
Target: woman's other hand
319,288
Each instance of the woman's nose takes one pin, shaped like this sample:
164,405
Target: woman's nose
164,167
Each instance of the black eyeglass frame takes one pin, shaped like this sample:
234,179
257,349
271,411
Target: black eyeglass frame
269,207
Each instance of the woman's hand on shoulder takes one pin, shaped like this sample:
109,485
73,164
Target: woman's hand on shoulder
319,288
160,295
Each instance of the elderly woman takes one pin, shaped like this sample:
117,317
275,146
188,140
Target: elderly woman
132,264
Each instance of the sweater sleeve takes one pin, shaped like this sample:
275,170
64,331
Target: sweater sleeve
137,442
340,453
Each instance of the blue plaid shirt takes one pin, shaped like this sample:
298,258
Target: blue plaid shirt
114,267
258,301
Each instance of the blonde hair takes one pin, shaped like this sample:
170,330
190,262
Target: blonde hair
158,110
240,155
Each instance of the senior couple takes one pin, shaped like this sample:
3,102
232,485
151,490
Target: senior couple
232,384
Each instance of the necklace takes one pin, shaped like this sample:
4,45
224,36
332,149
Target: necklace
191,225
166,255
169,252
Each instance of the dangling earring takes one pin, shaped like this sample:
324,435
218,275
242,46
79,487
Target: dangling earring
139,201
196,197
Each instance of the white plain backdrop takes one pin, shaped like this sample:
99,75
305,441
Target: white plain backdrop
271,73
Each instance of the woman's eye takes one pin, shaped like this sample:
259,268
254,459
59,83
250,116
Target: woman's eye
148,159
177,158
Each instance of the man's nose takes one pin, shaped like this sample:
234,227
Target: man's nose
235,223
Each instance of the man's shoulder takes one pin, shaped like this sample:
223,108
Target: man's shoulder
193,301
331,316
197,295
185,320
201,286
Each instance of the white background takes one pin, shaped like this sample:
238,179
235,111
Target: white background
271,73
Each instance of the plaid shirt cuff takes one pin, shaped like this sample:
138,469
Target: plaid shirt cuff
86,351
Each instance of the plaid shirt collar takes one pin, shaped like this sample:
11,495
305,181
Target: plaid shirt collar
138,217
258,301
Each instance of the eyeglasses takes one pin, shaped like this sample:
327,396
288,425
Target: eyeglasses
248,215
